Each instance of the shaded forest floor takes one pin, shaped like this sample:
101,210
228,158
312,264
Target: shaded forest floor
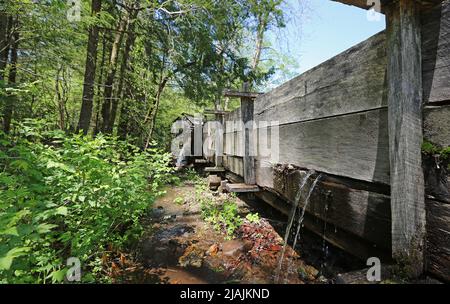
180,247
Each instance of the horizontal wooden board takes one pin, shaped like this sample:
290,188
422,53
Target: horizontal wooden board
234,164
354,146
438,239
349,242
352,81
436,53
358,211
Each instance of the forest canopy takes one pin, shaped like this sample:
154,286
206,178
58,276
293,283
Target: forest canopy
105,66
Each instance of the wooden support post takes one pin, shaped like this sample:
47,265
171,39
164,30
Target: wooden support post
219,142
247,119
405,134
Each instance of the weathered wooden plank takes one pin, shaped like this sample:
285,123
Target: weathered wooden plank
338,237
405,133
438,239
241,188
232,93
214,169
353,81
234,164
436,125
358,3
436,53
354,146
337,201
247,108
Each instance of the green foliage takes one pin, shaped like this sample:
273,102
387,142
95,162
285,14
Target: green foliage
70,196
253,218
178,200
431,149
223,217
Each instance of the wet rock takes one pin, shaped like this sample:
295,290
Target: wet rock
233,248
169,217
214,182
193,256
308,273
157,212
212,251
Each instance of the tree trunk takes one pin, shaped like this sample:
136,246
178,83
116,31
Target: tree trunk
262,24
10,99
4,42
129,42
99,85
89,74
109,82
61,95
124,112
154,111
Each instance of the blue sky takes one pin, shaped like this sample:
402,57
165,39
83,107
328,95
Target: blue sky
326,29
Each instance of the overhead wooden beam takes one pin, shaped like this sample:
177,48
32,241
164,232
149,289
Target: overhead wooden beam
365,4
215,112
404,75
359,3
238,94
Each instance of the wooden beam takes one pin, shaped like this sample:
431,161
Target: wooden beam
215,112
241,188
231,93
214,169
247,110
364,4
405,134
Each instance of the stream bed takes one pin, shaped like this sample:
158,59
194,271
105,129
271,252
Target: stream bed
179,247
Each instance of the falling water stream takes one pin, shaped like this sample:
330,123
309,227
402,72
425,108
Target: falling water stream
291,221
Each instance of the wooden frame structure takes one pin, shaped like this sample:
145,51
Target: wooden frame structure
360,119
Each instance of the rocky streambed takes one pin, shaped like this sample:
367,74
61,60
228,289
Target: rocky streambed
180,247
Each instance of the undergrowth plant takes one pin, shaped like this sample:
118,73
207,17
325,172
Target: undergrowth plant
67,196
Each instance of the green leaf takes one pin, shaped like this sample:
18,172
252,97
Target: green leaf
10,231
58,275
62,210
6,261
44,228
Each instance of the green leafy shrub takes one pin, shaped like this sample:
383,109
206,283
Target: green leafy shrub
70,196
253,218
223,217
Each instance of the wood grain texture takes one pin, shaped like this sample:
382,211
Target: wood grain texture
357,246
247,108
438,239
234,164
360,212
354,145
353,81
436,125
405,133
436,53
424,4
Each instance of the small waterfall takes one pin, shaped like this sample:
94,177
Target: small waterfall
290,222
300,223
324,242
